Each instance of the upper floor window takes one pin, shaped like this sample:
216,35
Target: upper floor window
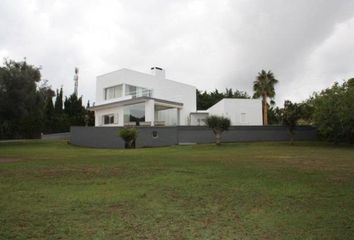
113,92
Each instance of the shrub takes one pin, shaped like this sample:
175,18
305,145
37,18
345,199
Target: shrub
334,112
218,124
129,136
291,115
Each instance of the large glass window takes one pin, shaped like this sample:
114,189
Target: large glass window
134,113
137,91
113,92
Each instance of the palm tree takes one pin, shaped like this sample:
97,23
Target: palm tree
264,87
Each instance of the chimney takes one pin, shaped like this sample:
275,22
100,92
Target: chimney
158,72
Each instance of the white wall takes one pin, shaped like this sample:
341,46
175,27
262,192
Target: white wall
217,109
118,116
233,108
162,89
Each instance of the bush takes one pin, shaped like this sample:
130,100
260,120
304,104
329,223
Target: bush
334,112
129,136
218,124
291,115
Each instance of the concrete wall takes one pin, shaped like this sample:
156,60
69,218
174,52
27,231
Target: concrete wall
56,136
107,137
245,134
100,137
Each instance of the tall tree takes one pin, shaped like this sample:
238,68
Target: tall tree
49,114
264,87
58,106
291,115
59,122
275,115
21,105
90,116
74,110
334,112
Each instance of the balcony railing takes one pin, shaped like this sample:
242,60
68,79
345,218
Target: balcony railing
141,93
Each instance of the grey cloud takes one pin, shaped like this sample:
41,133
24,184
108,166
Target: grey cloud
210,44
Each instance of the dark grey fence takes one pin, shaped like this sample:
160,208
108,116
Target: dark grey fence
107,137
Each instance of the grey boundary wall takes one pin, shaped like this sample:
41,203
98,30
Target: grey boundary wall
107,137
56,136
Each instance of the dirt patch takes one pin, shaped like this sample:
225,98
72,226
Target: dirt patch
116,207
9,160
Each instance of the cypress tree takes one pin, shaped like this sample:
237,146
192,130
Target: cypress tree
48,115
74,110
58,106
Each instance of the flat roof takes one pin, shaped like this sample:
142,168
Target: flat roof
135,101
141,73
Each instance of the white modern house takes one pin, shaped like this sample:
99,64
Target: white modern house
127,98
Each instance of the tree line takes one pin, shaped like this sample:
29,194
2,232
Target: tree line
331,110
207,99
27,108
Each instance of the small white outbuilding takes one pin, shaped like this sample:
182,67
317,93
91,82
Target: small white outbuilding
239,111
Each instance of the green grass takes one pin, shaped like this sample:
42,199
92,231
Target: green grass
52,190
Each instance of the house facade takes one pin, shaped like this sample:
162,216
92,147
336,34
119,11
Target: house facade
128,98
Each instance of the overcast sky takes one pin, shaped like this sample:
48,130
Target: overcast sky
308,44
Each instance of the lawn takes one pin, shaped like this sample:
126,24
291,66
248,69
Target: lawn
52,190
